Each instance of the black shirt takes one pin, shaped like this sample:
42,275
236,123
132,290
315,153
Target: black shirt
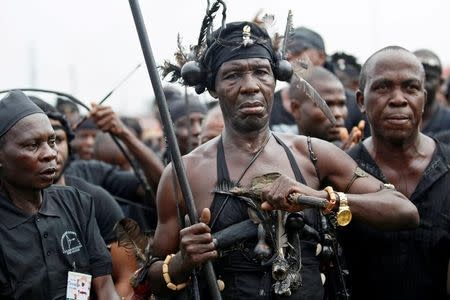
118,183
280,119
407,264
440,121
37,251
107,211
354,114
443,136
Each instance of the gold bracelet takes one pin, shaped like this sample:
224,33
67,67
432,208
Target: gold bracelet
331,200
344,215
165,272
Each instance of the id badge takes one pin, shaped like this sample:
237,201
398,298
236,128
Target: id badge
78,286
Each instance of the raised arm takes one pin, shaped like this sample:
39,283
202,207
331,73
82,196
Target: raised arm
107,120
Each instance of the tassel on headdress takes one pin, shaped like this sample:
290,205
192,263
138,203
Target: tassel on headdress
193,74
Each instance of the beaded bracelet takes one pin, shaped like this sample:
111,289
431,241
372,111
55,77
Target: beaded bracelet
165,271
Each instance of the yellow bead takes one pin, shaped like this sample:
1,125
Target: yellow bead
165,268
220,284
167,260
171,286
167,277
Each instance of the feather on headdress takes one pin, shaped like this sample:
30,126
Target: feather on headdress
130,236
182,56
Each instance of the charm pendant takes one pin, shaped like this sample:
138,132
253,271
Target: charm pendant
246,40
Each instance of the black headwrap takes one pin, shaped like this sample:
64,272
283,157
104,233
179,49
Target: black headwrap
238,40
179,108
87,124
14,107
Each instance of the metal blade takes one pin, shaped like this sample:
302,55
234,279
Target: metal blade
312,94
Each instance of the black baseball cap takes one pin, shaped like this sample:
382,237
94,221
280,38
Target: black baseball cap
305,38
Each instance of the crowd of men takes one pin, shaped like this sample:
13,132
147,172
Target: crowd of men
357,208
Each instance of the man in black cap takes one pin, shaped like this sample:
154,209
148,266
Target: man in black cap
47,232
240,68
436,118
84,141
307,44
304,44
187,118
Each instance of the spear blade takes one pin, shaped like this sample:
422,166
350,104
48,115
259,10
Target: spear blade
311,92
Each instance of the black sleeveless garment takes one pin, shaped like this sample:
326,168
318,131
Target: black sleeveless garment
243,275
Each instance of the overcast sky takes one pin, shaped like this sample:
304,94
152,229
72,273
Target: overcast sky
85,47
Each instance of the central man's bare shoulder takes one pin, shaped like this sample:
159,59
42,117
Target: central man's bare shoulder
207,150
330,160
300,143
202,158
296,142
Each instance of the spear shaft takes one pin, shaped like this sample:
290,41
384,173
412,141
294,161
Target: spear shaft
170,134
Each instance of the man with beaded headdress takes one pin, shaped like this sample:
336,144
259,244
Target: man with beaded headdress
240,67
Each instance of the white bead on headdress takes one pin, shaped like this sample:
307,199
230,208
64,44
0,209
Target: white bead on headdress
246,40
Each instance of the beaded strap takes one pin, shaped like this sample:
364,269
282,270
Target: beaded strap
165,271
